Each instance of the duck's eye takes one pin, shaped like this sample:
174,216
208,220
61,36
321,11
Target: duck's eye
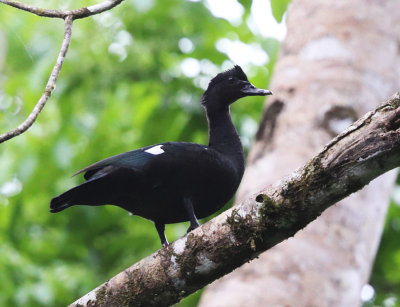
231,80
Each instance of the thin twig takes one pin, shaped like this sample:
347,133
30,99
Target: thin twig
76,14
68,16
50,86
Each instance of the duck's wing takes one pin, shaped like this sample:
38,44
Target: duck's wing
136,160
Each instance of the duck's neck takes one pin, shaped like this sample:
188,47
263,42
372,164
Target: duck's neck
223,136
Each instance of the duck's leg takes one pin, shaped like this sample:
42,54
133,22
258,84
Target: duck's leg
194,223
161,233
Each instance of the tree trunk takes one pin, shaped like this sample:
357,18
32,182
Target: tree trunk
339,58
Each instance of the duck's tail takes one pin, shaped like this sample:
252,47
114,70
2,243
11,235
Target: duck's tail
63,201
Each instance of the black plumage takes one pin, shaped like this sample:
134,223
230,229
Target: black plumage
175,181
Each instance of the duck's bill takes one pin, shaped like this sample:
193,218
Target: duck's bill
251,90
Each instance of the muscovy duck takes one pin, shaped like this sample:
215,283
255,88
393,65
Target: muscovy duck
175,181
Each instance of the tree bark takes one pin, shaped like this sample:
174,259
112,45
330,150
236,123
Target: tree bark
364,151
339,58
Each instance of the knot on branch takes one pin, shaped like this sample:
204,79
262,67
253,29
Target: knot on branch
337,118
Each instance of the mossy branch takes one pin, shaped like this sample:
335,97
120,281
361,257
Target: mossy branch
367,149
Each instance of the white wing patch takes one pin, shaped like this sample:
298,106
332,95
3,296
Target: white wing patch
156,150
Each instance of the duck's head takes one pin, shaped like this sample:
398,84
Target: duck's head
229,86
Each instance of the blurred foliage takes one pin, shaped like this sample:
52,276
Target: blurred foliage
279,8
386,272
133,76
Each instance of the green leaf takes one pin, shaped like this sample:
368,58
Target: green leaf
279,8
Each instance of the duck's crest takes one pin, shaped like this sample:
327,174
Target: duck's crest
236,71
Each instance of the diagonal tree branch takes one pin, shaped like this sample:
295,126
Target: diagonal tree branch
68,17
76,14
50,86
367,149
